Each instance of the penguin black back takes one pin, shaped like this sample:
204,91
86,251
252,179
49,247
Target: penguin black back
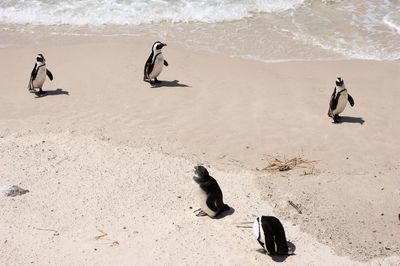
271,235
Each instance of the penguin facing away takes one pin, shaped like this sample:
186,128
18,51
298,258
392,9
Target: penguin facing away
339,100
38,75
270,235
209,193
154,63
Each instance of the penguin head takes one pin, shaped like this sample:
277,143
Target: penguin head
157,46
40,58
339,82
200,174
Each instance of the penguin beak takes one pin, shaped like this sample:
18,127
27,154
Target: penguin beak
164,44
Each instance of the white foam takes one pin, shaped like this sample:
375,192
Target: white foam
352,49
135,12
392,22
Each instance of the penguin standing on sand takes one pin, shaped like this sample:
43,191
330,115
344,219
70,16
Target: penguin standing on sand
271,235
154,64
339,100
38,75
210,194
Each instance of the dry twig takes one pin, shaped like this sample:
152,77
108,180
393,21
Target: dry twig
50,230
295,206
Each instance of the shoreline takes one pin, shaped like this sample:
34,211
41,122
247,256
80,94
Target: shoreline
229,112
35,35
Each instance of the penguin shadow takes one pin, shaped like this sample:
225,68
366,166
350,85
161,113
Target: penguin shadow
169,84
225,213
351,120
58,91
281,258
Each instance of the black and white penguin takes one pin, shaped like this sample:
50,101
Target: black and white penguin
38,75
154,63
270,234
339,100
209,192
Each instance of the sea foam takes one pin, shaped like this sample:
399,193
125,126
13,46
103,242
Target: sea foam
135,12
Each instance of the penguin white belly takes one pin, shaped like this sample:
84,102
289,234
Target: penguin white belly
158,66
40,77
342,101
203,202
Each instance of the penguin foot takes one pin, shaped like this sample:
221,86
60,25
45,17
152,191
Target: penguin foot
336,119
41,93
156,80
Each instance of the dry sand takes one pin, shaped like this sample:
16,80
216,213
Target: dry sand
116,155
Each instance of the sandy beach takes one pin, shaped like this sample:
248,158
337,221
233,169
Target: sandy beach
104,150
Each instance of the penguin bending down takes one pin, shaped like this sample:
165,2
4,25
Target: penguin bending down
210,194
154,64
38,75
339,100
271,235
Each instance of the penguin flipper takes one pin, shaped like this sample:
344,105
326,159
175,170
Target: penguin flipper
334,100
350,99
147,67
49,74
281,242
165,63
211,203
269,244
34,72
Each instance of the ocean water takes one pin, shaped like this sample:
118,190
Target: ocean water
266,30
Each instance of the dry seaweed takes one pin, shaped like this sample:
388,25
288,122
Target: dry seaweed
279,164
108,241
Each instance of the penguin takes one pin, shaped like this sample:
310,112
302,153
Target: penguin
210,194
38,75
154,64
339,100
270,234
